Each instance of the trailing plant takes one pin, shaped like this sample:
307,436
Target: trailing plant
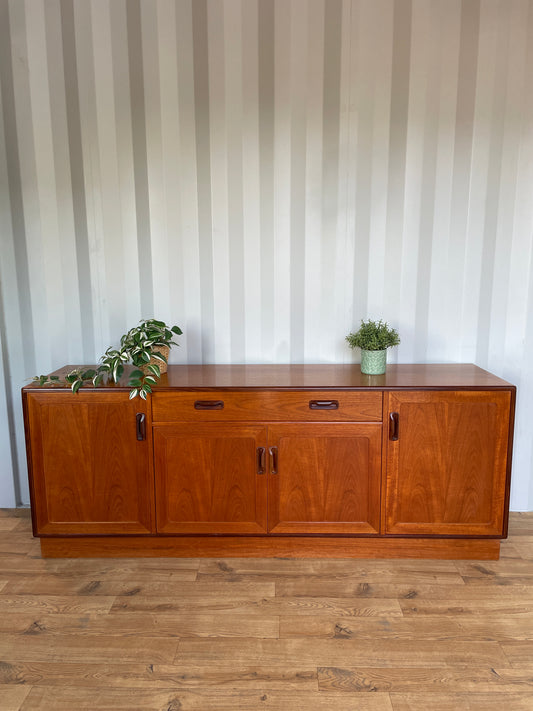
373,336
139,347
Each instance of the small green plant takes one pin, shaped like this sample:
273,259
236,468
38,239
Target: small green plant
373,336
139,346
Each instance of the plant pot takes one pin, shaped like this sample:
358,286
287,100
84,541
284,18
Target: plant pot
164,350
373,362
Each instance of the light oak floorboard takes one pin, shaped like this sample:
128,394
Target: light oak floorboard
54,604
340,652
314,569
65,699
141,625
12,697
76,648
461,702
260,607
225,675
149,582
241,634
472,680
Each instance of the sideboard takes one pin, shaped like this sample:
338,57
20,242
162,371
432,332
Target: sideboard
274,460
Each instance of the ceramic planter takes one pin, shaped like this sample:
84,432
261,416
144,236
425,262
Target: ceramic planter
373,362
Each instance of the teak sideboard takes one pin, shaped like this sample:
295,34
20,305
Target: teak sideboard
275,460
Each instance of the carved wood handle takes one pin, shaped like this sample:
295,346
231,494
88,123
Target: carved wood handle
141,426
273,460
261,464
394,424
323,404
209,405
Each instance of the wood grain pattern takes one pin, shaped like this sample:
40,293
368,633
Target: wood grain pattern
206,479
268,547
43,699
279,633
452,376
446,473
328,478
404,375
266,406
89,472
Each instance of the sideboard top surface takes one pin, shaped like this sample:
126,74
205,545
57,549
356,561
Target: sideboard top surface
318,376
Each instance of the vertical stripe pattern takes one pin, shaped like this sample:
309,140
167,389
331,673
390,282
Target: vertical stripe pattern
266,173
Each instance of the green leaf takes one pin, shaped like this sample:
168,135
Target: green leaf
136,373
133,393
97,379
71,377
150,379
88,374
54,377
155,369
159,356
177,330
77,385
142,394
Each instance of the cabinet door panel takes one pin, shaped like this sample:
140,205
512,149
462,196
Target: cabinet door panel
90,474
328,478
447,471
207,478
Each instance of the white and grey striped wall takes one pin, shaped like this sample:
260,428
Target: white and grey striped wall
265,173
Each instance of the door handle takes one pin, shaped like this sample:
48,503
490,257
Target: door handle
209,404
140,418
394,424
261,463
323,404
273,451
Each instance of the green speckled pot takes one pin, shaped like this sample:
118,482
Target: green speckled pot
373,362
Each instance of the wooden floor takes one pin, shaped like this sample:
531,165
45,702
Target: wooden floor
234,634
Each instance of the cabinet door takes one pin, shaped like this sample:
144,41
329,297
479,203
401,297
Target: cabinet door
447,469
90,473
210,478
324,478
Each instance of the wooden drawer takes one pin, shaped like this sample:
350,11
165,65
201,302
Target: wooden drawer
266,406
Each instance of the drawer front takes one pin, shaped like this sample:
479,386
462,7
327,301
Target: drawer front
266,406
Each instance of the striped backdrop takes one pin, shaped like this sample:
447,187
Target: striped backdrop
265,173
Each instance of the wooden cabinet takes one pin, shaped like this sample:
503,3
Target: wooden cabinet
219,468
321,478
324,478
447,463
89,463
275,460
207,478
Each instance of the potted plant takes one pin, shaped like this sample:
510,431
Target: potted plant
145,346
373,338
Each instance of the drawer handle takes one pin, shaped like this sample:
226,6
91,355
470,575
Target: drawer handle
323,404
261,464
209,404
394,423
273,451
141,426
